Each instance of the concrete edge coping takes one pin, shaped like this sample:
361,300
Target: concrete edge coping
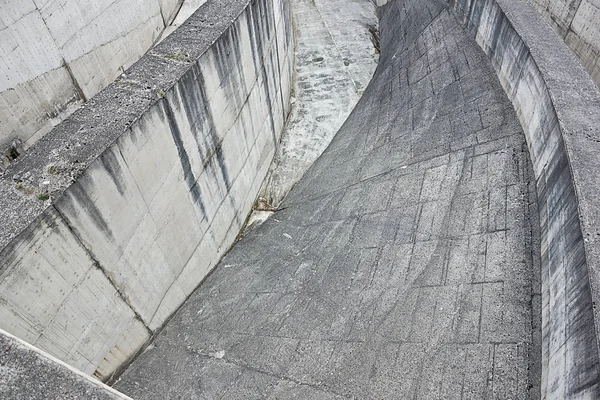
68,369
47,169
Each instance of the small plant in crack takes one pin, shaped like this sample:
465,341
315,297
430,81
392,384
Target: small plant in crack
179,56
43,196
52,170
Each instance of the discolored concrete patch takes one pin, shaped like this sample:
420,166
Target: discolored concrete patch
335,60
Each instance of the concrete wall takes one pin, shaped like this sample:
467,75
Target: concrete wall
557,104
578,23
56,53
150,192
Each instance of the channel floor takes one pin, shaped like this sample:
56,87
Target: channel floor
403,265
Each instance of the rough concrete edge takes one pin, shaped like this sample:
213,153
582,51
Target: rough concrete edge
51,359
558,65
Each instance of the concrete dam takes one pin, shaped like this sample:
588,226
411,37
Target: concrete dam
301,199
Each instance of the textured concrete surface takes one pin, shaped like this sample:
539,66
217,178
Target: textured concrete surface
557,104
111,220
578,24
405,264
28,373
335,60
187,8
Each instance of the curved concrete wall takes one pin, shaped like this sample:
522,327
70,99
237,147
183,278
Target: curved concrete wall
148,184
55,54
578,23
557,104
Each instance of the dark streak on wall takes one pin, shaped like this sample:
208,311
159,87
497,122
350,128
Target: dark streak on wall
188,174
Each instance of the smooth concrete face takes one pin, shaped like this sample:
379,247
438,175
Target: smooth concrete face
117,251
50,67
335,60
404,264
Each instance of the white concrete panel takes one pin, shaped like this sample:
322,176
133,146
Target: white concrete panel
13,10
28,51
31,109
80,27
98,67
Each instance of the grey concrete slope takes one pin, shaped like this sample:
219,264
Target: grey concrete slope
28,373
405,264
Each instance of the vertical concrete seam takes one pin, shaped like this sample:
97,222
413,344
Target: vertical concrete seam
74,80
64,62
98,265
279,66
570,23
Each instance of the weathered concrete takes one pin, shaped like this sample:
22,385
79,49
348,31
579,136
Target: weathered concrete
111,220
335,60
558,106
404,264
188,7
28,373
578,23
56,53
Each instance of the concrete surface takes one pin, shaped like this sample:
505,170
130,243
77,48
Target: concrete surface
335,60
188,7
404,264
578,24
23,366
111,220
557,104
48,66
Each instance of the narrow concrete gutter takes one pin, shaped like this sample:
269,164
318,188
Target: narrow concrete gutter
558,105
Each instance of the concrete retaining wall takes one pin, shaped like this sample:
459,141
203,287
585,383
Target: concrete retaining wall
54,54
148,184
578,23
557,104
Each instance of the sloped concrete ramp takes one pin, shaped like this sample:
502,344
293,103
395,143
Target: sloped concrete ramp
404,265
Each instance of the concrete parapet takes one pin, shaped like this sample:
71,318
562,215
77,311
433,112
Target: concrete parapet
111,220
557,104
